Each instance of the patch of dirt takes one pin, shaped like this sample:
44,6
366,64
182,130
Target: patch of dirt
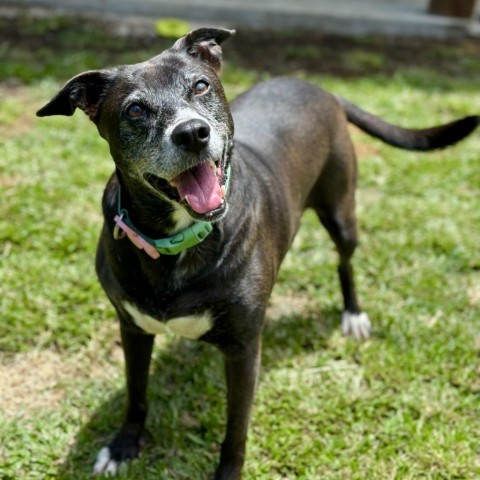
32,381
362,148
35,380
474,296
8,181
292,303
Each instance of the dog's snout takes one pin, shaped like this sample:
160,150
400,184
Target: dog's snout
192,135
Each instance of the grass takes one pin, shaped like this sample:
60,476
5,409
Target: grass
403,405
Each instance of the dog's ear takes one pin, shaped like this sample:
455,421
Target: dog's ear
204,43
84,91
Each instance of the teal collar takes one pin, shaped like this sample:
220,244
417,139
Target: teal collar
187,238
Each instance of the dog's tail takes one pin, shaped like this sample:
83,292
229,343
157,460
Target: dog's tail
406,138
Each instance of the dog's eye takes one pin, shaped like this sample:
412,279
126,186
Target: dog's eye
201,87
135,111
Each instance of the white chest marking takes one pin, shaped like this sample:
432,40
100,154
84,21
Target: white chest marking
191,326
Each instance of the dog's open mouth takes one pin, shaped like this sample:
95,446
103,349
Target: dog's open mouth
201,189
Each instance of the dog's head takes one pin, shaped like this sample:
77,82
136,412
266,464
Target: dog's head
166,120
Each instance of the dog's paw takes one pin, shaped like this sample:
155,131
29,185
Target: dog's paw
105,464
356,324
125,446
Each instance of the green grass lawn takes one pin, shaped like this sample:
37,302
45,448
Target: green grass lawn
403,405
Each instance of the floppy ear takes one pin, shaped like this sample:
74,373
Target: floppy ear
84,91
204,44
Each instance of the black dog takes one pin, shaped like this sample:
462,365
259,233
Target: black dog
209,216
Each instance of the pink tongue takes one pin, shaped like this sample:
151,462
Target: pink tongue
200,187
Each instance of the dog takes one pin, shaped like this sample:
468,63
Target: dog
197,218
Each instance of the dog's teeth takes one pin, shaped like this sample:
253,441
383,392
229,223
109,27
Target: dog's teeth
213,166
172,184
224,190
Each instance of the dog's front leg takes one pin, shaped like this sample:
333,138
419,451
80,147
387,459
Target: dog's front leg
137,348
241,376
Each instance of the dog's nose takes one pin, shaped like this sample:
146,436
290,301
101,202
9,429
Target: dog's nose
192,135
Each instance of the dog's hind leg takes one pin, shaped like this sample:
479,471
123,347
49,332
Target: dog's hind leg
341,227
340,224
333,199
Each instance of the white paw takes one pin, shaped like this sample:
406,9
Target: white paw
105,463
356,324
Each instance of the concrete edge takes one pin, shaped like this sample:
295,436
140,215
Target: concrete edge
329,22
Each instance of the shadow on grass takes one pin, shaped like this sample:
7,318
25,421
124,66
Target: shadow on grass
187,407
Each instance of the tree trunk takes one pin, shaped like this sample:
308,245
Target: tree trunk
452,8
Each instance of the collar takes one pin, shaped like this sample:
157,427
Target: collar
183,240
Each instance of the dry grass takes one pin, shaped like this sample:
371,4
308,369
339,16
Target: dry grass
40,379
